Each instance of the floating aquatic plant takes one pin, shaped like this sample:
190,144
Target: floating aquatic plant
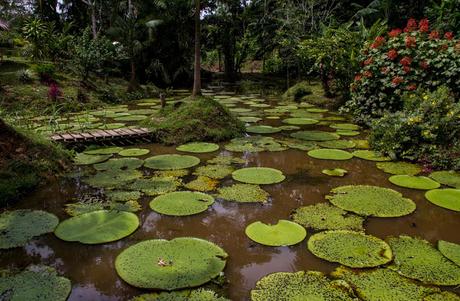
345,126
184,295
370,156
249,119
283,233
112,179
300,121
224,159
298,144
155,185
330,154
131,118
447,177
262,129
337,144
171,162
336,172
85,159
445,198
258,175
243,193
119,164
129,206
399,168
123,196
134,152
181,203
202,183
315,136
85,206
414,182
177,173
450,250
198,147
350,248
169,265
254,144
104,151
371,201
214,171
442,296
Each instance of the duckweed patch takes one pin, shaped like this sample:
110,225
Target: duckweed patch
400,168
330,154
283,233
243,193
181,203
446,198
414,182
171,162
202,183
258,175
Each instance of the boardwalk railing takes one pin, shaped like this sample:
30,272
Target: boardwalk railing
102,135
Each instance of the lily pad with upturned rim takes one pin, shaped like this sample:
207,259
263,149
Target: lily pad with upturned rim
336,172
258,175
345,126
112,178
98,227
262,129
119,164
181,203
414,182
300,121
350,248
155,185
198,147
169,265
337,144
184,295
442,296
446,198
450,250
370,156
171,162
243,193
371,201
283,233
399,168
104,151
85,159
134,152
445,177
330,154
315,136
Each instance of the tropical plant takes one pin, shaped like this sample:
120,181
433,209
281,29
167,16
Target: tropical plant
37,33
444,14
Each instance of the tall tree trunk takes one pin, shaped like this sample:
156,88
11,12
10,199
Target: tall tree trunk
197,73
93,19
133,85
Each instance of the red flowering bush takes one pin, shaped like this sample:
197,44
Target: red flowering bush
404,60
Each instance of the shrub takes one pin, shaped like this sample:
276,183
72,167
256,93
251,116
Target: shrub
296,92
427,129
25,76
45,72
404,60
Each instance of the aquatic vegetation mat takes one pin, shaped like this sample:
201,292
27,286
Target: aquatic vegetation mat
336,172
254,144
112,178
283,233
418,259
350,248
315,136
298,144
155,185
258,175
300,121
249,119
337,144
399,168
198,147
383,285
371,201
171,162
370,156
98,227
445,198
104,151
19,226
134,152
119,164
85,159
414,182
306,286
169,265
445,177
345,126
262,129
184,295
450,250
330,154
35,283
85,206
442,296
181,203
202,183
123,196
214,171
243,193
323,216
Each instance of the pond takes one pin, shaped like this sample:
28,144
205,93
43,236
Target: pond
91,268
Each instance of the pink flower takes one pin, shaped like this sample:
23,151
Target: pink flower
434,35
406,61
392,54
395,32
410,42
449,35
424,25
397,80
411,25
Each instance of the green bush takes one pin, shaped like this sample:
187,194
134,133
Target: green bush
426,130
46,71
296,92
25,76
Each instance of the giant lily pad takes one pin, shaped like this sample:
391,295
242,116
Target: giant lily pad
171,162
184,295
450,250
198,147
323,216
284,233
442,296
300,121
254,144
181,203
414,182
134,152
169,265
123,196
131,118
315,136
120,164
345,126
19,226
104,151
113,178
371,201
306,286
250,119
262,129
330,154
258,175
418,259
383,285
85,159
155,185
336,172
445,177
214,171
370,156
35,283
399,168
350,248
338,144
445,198
98,227
243,193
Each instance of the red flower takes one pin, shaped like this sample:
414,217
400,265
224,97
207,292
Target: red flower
392,54
449,35
384,70
379,41
406,61
395,32
444,47
434,35
397,80
424,65
424,25
410,41
412,87
367,74
411,25
368,61
358,77
406,69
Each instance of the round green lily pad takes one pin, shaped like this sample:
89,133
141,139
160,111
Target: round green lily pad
184,295
300,121
399,168
336,172
169,265
350,248
134,152
338,144
131,118
214,171
298,144
301,286
19,226
181,203
450,250
119,164
284,233
35,283
155,185
418,259
442,296
347,133
446,177
254,144
258,175
112,178
345,126
104,151
123,196
198,147
323,216
330,154
171,162
370,156
315,136
445,198
98,227
262,129
243,193
249,119
371,201
414,182
85,159
383,285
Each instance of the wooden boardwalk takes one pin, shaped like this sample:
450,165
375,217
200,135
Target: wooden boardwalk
102,135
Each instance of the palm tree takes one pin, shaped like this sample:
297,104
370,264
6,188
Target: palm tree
197,68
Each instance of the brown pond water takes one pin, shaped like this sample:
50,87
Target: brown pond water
91,267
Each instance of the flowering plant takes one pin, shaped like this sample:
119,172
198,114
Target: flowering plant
403,60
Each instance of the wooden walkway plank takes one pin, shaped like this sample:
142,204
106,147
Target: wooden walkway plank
102,135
